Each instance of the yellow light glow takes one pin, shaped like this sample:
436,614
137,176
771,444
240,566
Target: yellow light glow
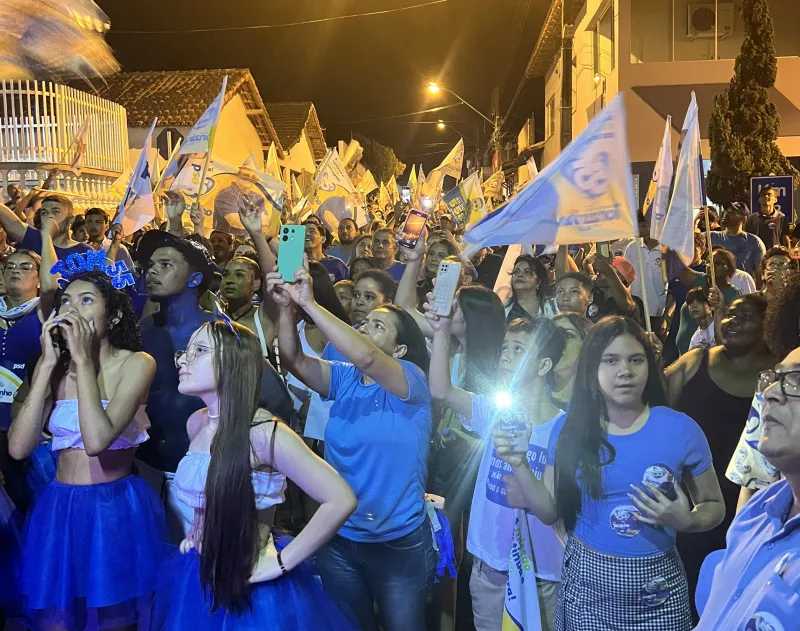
441,125
433,88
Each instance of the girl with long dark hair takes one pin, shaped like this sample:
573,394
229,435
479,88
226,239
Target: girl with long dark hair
576,328
377,438
621,463
92,543
231,573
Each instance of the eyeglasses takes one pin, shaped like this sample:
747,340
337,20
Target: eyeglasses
777,265
25,267
190,354
790,382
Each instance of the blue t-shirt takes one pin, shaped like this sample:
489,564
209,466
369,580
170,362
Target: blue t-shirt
33,241
379,444
20,349
396,271
747,248
669,446
336,268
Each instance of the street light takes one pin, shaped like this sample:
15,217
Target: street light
440,124
435,88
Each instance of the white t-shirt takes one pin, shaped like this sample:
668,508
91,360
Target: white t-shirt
491,522
703,338
743,282
318,410
653,275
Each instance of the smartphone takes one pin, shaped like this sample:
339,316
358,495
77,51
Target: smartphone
445,288
412,228
290,251
516,429
604,249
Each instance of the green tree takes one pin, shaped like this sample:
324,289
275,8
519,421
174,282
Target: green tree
744,125
380,159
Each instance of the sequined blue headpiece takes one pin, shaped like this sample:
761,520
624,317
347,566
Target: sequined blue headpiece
120,274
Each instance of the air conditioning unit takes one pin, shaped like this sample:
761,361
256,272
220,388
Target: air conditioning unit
702,19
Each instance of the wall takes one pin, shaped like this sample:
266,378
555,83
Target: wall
651,38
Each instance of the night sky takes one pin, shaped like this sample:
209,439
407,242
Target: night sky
353,69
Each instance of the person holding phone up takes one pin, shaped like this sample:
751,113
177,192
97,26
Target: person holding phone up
377,438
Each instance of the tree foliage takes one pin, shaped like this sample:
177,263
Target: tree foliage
744,125
380,159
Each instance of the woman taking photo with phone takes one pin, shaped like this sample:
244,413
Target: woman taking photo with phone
230,572
93,542
377,438
622,460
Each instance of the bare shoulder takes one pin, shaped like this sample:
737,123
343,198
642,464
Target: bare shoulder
687,364
195,423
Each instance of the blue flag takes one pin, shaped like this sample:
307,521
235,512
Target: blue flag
585,194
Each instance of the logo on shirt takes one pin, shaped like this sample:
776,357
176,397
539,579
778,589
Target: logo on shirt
623,521
660,476
763,621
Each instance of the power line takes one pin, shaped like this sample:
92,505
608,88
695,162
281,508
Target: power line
386,118
267,26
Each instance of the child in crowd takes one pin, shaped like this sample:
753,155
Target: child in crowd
700,310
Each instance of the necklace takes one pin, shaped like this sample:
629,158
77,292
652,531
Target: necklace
211,416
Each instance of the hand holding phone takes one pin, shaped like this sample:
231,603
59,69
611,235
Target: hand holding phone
290,251
444,290
412,228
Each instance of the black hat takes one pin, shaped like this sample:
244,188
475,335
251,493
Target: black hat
196,253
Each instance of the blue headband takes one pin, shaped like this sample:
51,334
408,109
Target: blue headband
119,273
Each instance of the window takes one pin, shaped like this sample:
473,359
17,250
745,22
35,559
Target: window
603,44
550,118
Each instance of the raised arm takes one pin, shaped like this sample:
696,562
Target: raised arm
318,480
356,347
26,428
11,223
101,427
619,292
174,205
48,283
442,388
406,296
312,371
565,264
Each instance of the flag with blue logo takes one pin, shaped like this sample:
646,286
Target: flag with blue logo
521,611
585,194
201,137
137,208
688,194
466,201
333,196
655,204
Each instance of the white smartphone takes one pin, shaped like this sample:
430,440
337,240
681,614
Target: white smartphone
445,288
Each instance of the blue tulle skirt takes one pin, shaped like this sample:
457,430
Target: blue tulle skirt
91,555
294,602
10,546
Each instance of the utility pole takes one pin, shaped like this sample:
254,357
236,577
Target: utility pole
567,35
497,161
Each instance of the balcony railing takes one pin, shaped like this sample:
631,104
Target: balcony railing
38,122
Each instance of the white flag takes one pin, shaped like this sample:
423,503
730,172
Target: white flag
658,194
533,170
79,145
453,163
273,168
688,194
201,138
585,194
137,208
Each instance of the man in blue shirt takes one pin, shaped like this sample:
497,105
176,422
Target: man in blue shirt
348,232
384,249
747,248
757,585
315,241
56,207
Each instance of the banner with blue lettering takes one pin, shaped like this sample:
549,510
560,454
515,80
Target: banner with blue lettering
585,194
521,611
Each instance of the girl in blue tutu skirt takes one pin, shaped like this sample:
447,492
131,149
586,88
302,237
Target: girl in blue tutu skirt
92,544
230,572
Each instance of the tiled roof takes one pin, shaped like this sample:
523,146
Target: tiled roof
179,97
291,118
549,42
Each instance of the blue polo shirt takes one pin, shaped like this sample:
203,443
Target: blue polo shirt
757,585
669,446
379,444
33,241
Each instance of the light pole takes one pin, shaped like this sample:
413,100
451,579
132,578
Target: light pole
435,88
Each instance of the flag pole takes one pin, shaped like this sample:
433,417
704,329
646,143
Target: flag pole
644,288
710,249
164,170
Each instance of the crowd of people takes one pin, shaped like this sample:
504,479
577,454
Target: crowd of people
189,441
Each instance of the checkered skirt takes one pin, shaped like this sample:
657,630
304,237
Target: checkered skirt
606,593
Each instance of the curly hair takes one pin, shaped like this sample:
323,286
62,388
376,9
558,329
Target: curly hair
125,333
782,319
